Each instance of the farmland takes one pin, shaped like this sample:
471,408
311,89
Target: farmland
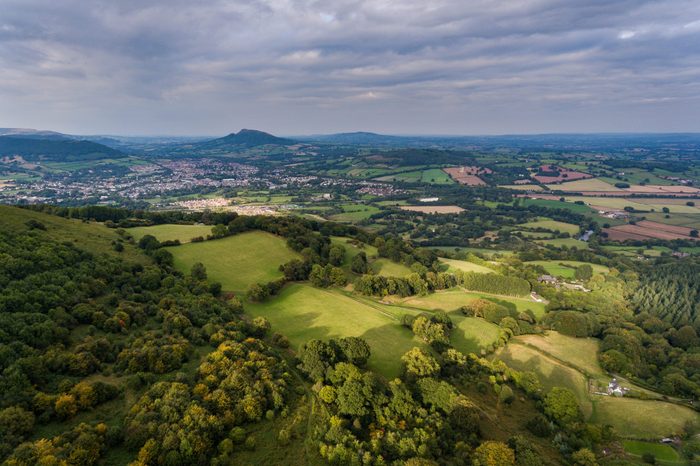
433,209
455,298
648,230
354,212
170,232
551,225
237,261
453,264
431,175
567,269
467,175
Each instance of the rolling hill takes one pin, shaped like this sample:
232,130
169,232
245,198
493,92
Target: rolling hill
245,139
55,149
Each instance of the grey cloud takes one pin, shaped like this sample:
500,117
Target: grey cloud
480,66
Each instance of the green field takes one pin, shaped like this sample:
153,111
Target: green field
534,234
642,205
552,225
183,233
237,261
453,264
472,334
561,242
354,212
632,251
640,419
430,175
481,251
567,269
302,312
590,184
388,268
351,250
577,208
663,453
455,298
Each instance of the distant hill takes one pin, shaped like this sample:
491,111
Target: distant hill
32,133
54,148
359,137
245,139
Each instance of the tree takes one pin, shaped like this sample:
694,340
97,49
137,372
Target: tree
584,457
336,254
561,405
583,272
316,357
198,272
359,263
493,453
337,277
66,406
219,231
354,349
419,363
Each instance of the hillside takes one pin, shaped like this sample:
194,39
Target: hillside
245,139
55,149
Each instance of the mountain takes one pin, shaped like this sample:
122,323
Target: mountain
55,149
245,139
359,137
32,133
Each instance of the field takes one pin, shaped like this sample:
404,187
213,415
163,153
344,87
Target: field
472,334
522,187
354,212
570,362
431,175
640,204
467,175
455,298
663,453
351,249
566,269
183,233
433,209
389,268
568,242
556,204
564,174
302,312
237,261
552,225
645,230
466,266
592,184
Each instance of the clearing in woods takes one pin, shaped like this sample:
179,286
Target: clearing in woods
171,232
237,261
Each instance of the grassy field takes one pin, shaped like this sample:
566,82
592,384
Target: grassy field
662,453
453,264
237,261
567,269
183,233
684,220
643,205
632,251
577,208
388,268
481,251
472,334
642,419
354,212
455,298
351,250
590,184
552,225
430,175
302,312
561,242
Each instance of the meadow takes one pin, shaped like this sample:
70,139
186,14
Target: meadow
664,454
449,300
465,266
568,242
430,175
552,225
354,212
237,261
171,232
302,312
388,268
567,269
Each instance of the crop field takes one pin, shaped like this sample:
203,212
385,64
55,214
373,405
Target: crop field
455,298
592,184
567,269
302,313
564,174
466,266
430,175
568,242
467,175
354,212
645,230
433,209
643,205
552,225
171,232
663,453
389,268
237,261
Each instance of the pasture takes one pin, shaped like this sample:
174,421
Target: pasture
388,268
430,175
302,312
591,184
171,232
353,248
565,242
552,225
433,209
237,261
567,269
642,419
455,298
661,452
472,334
354,212
465,266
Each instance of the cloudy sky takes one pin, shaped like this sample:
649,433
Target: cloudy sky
300,66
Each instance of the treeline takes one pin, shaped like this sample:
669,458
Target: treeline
420,284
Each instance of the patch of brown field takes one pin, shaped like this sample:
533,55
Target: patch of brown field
467,175
660,189
565,174
664,227
433,209
616,235
660,200
644,232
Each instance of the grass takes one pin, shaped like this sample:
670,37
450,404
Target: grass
430,175
568,242
388,268
552,225
581,353
567,269
354,212
454,264
642,419
302,312
351,250
183,233
576,208
89,236
642,204
455,298
591,184
472,334
237,261
660,451
482,251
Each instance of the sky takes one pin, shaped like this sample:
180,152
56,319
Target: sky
292,67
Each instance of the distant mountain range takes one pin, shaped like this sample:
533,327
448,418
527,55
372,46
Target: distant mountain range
33,145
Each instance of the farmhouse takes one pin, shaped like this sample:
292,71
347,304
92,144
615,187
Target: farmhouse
614,388
550,280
